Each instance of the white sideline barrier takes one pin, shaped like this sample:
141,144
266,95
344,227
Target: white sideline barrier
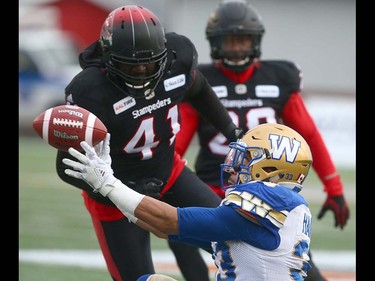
336,120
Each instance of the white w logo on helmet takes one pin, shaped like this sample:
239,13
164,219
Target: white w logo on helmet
284,145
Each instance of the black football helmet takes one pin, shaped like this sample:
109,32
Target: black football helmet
234,17
133,35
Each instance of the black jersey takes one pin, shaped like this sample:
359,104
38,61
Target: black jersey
258,100
142,131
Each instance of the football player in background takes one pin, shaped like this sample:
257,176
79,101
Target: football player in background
262,228
133,79
254,91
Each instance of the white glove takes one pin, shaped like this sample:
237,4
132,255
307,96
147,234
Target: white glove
91,168
97,172
102,149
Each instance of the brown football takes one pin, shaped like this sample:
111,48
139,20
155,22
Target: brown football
66,126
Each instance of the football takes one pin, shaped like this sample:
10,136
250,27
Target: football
66,126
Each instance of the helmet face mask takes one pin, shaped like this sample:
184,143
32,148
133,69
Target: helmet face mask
269,152
240,158
234,18
134,36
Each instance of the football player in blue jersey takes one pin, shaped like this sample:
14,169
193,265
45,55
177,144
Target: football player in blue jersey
262,228
254,91
133,79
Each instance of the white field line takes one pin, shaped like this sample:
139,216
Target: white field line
342,261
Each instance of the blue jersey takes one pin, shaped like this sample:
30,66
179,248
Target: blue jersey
259,221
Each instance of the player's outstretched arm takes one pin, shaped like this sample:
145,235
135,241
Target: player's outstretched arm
97,172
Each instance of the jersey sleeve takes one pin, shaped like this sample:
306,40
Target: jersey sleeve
188,127
221,224
287,72
205,101
206,245
296,116
182,55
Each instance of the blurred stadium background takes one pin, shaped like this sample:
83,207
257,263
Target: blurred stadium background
319,35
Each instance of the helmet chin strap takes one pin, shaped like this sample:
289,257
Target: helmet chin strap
137,87
236,63
148,94
236,66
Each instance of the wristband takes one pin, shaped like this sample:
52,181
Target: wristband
130,217
125,198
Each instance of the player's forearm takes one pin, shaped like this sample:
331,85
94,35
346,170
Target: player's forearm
158,214
151,229
155,213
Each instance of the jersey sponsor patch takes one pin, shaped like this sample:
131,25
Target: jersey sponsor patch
240,89
220,91
123,105
267,91
174,82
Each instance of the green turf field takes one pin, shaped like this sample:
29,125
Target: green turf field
52,216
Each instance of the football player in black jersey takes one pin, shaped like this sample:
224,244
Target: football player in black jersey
254,91
134,79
